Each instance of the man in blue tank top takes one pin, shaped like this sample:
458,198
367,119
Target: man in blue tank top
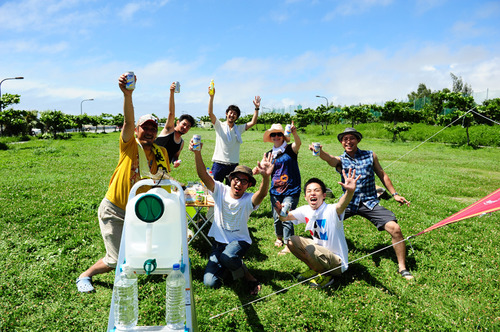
365,202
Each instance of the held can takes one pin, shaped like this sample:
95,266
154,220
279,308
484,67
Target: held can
212,87
177,87
130,85
316,149
285,208
196,142
288,130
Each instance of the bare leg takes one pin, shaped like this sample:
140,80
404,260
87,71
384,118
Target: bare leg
394,230
98,268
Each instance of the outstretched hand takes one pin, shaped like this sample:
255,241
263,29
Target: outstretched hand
401,200
256,102
349,180
265,166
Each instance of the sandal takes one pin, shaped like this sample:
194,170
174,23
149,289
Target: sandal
278,243
84,285
254,287
284,251
406,274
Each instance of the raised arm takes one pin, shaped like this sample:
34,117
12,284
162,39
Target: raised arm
211,114
201,169
128,110
265,168
252,123
332,160
296,139
169,126
386,181
350,186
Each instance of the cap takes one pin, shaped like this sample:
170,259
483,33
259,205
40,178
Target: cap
275,128
350,131
245,170
145,118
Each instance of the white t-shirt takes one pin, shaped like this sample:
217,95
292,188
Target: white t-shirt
230,215
227,142
326,227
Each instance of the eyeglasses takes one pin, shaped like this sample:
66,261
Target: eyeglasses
276,134
242,181
349,138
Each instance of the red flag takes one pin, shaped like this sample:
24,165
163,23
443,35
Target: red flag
488,204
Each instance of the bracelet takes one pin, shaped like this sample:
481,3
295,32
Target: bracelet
395,193
256,108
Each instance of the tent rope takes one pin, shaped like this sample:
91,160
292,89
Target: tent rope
303,281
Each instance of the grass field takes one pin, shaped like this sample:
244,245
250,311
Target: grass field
50,191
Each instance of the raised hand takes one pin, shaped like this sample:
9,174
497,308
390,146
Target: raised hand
256,102
349,180
265,166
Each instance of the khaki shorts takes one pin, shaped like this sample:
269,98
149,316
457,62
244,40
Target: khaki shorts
111,219
318,253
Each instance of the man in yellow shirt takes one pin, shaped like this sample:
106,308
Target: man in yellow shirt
139,158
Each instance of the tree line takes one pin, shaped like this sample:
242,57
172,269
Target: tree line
440,107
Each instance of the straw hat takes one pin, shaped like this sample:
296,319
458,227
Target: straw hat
275,128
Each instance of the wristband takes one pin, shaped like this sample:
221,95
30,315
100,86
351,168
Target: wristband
395,193
256,108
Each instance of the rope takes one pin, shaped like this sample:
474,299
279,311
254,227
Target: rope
485,117
303,281
471,110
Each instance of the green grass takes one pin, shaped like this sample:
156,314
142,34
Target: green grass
50,191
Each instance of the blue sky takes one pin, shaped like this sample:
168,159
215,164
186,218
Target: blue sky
357,51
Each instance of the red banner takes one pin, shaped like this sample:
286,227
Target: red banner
488,204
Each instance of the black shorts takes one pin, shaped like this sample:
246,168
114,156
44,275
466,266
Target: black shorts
379,216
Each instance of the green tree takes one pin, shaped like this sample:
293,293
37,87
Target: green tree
118,120
462,104
7,99
81,120
422,91
55,121
460,86
357,114
489,109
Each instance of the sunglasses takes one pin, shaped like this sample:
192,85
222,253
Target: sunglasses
276,134
242,181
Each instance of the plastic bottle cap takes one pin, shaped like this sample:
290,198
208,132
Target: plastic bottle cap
177,266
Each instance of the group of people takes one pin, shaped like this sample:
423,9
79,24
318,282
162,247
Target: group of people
142,153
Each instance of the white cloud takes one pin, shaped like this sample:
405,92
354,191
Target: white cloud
354,7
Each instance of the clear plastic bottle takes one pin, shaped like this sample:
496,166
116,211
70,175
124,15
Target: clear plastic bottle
126,301
176,303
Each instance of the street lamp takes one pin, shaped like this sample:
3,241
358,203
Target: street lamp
5,79
325,98
91,99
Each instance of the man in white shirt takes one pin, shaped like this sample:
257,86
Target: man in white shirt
326,253
228,137
232,209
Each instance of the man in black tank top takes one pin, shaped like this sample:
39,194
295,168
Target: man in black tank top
171,135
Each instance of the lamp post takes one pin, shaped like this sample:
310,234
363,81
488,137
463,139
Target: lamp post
91,99
325,98
5,79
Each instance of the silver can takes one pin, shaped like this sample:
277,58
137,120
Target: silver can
130,85
196,142
316,149
288,129
177,87
285,208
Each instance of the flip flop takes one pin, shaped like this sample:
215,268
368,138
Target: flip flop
84,285
284,251
406,274
254,285
278,243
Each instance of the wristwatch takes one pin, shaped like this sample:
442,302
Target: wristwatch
395,193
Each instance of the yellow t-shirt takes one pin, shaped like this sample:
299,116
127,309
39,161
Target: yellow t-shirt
126,173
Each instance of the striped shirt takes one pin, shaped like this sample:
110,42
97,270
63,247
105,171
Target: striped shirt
366,192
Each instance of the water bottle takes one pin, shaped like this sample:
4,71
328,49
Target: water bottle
176,302
126,302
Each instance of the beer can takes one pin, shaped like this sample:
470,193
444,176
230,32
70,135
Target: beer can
212,87
130,85
196,142
285,208
288,130
177,87
316,149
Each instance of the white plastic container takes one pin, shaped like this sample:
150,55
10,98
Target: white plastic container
153,229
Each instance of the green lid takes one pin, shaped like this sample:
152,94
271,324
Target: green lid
149,208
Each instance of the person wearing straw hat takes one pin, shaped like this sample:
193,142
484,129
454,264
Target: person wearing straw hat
140,157
285,179
365,202
232,209
228,137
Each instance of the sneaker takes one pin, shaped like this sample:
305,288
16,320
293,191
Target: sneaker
306,275
321,281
